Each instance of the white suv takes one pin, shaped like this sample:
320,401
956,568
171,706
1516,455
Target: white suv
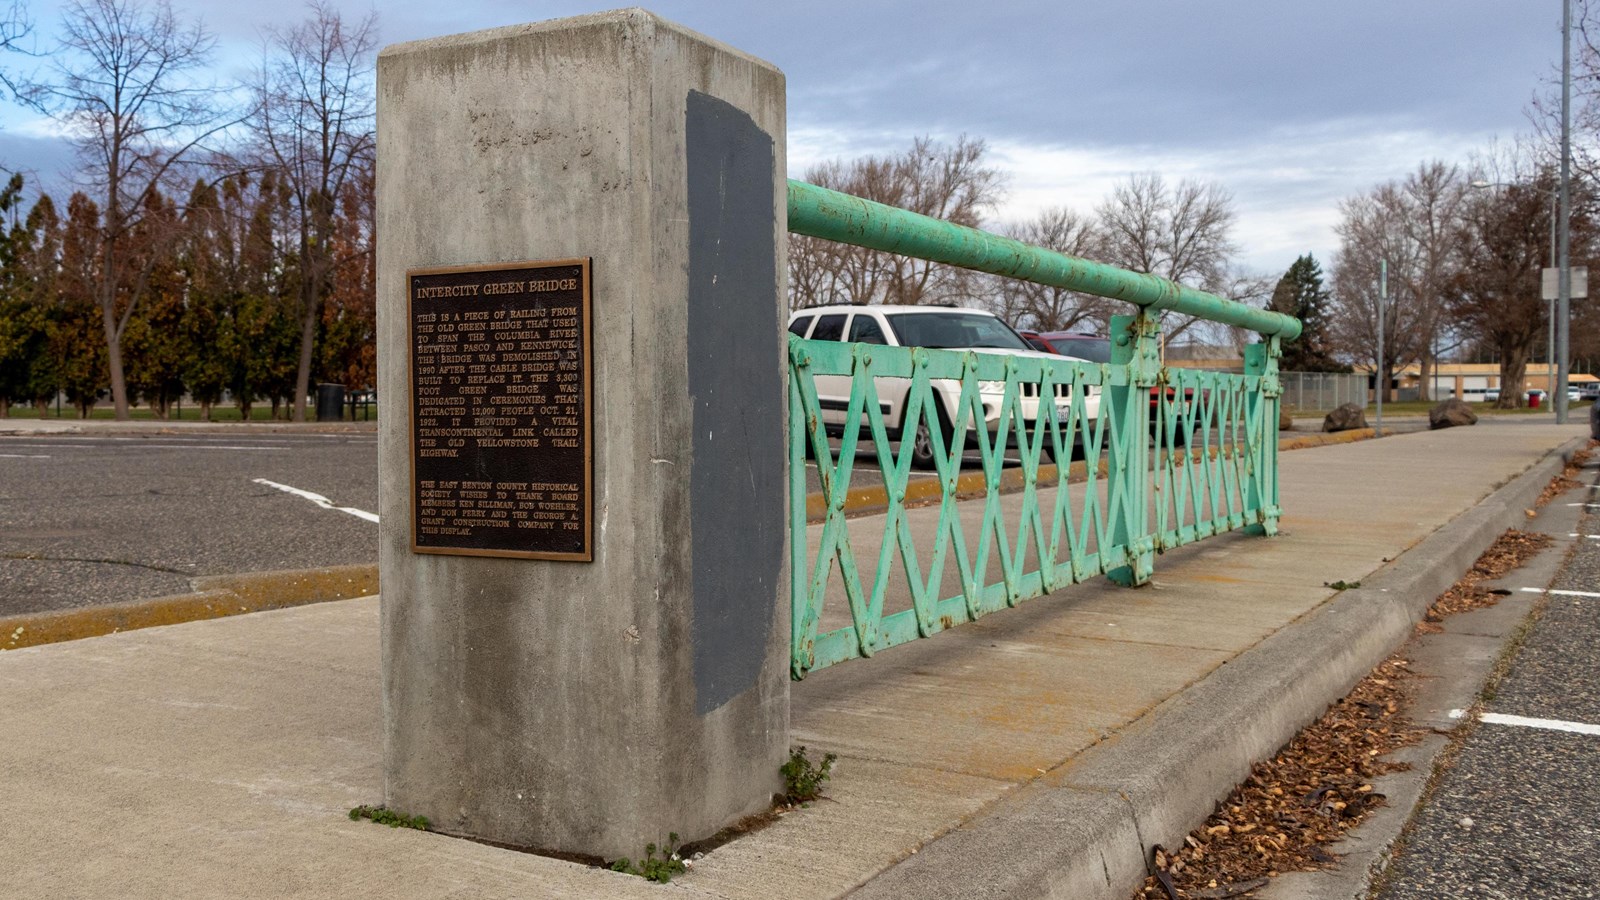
938,327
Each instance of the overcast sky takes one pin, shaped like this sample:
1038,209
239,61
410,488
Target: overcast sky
1289,105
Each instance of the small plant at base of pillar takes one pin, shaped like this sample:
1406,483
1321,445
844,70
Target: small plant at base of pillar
385,816
651,867
803,779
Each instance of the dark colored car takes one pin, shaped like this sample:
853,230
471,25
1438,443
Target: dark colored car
1097,349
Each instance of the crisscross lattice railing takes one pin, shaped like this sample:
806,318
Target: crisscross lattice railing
1169,456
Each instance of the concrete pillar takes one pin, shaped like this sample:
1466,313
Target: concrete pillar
558,704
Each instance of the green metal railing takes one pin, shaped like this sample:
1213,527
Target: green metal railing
1213,467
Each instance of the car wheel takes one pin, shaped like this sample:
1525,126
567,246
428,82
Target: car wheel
1047,449
922,456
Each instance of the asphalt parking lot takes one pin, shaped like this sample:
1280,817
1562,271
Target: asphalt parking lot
89,519
93,519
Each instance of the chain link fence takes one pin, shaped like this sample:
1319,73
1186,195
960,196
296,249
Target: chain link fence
1315,391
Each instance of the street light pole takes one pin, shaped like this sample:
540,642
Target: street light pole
1550,314
1564,300
1381,382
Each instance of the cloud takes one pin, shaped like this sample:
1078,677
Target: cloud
1291,106
47,163
1287,183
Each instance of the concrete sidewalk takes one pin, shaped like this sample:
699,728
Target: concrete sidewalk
1042,749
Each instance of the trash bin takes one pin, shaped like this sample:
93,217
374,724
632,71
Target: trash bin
330,402
1533,399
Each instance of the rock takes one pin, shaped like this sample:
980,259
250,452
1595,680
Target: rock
1451,413
1285,421
1345,418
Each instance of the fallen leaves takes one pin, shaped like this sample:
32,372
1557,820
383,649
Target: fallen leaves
1305,796
1567,480
1510,551
1320,785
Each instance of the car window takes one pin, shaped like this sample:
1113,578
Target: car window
1038,344
799,325
954,329
829,328
864,330
1091,349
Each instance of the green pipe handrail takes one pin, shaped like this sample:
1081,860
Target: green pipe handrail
830,215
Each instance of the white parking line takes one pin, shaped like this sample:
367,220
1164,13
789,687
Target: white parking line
318,499
1560,593
1526,722
1592,537
23,456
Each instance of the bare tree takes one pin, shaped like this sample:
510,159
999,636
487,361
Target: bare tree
1496,294
1373,231
1545,110
1427,207
314,120
944,181
1181,233
827,272
124,91
1045,308
947,182
1504,240
15,27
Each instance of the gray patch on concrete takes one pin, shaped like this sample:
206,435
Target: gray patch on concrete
736,484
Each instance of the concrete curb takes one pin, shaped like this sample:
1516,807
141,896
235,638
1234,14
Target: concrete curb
215,596
1086,829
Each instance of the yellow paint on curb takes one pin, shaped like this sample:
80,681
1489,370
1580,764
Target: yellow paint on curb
217,596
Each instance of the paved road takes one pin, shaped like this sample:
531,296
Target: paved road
95,519
88,519
1518,815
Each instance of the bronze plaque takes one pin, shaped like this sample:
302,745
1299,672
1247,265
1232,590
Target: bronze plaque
502,454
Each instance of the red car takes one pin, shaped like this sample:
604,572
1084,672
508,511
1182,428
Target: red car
1097,349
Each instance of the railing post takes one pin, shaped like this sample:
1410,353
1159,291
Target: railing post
1135,348
1261,498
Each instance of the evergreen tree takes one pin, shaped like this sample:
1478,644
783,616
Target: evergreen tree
154,344
206,261
39,261
349,322
79,344
1300,294
16,325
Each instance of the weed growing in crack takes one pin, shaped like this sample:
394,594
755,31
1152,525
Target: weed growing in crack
802,778
385,816
658,869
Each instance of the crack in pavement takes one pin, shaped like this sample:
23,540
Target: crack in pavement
112,562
